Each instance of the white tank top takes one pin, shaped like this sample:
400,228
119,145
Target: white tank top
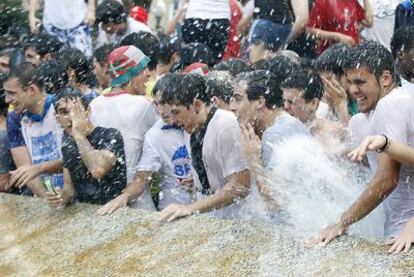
208,9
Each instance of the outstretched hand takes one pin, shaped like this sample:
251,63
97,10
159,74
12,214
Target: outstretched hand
327,235
119,202
175,211
403,241
370,143
24,174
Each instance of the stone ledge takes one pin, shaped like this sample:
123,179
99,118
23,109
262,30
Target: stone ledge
39,241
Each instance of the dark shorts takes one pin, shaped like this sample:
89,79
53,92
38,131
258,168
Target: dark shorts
213,33
273,35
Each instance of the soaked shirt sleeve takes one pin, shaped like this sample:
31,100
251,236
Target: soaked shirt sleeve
14,130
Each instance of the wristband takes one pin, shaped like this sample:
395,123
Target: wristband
385,146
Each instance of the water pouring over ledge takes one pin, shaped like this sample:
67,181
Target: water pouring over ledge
313,188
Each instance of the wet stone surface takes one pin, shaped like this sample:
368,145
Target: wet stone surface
38,241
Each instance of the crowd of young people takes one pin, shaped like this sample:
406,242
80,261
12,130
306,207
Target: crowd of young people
100,124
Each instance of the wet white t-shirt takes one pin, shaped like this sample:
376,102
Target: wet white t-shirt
358,129
133,26
64,14
208,9
285,127
43,140
394,117
222,155
166,151
133,116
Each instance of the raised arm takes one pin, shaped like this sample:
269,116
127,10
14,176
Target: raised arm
33,20
98,162
90,13
320,34
179,16
301,11
368,20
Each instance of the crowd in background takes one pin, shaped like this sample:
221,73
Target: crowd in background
98,107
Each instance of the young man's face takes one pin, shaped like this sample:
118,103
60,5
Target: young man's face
114,28
102,76
17,95
32,57
163,110
405,63
296,106
365,87
245,110
138,84
63,109
5,63
185,117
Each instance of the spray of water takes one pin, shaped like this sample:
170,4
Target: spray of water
314,189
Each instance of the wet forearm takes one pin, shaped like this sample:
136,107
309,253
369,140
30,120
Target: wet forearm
382,184
238,187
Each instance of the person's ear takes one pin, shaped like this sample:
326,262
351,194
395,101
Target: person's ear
48,57
261,103
386,79
315,104
400,55
72,75
105,68
33,89
198,105
214,101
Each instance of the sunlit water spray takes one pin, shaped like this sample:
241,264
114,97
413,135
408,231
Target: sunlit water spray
314,190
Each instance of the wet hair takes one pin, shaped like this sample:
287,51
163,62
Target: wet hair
193,53
260,84
309,83
184,89
3,105
221,85
111,11
307,64
162,84
168,47
69,93
53,75
8,42
402,40
17,56
27,74
147,43
82,66
234,66
372,55
280,67
333,59
44,44
101,54
258,64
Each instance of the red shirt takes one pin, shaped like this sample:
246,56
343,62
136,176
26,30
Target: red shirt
233,43
339,16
